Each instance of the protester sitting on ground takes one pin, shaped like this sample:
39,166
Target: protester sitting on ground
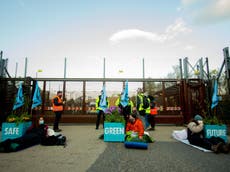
195,132
51,138
135,126
135,130
34,135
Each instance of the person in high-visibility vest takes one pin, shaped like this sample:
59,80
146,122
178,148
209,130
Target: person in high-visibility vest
147,114
152,112
127,110
100,111
57,103
139,105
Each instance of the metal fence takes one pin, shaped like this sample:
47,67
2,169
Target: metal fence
173,97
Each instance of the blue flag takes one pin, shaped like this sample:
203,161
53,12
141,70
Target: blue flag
19,98
37,100
103,102
125,96
215,97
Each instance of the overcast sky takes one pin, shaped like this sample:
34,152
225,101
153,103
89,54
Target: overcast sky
121,31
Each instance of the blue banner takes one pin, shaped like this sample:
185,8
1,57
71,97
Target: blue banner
19,98
37,100
215,97
14,130
114,132
103,101
216,131
125,96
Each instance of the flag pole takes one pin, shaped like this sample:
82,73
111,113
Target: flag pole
104,71
25,72
16,69
64,82
143,72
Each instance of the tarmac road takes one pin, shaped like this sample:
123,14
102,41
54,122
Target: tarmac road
85,152
160,156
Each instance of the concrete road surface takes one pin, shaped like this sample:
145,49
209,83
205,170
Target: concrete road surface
86,152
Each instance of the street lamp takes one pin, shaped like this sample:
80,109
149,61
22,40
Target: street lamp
38,71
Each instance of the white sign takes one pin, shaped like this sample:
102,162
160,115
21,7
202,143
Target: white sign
11,131
216,132
114,130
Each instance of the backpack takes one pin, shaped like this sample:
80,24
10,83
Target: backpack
145,102
152,102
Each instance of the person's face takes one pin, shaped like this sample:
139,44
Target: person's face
131,119
41,121
139,91
60,95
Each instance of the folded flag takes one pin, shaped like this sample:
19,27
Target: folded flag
19,98
125,96
37,100
103,102
215,97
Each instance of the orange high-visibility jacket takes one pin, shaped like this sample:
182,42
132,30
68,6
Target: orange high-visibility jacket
58,107
137,126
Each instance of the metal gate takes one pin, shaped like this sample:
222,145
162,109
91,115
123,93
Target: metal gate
177,100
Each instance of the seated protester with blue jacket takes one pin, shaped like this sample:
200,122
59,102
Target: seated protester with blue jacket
195,131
